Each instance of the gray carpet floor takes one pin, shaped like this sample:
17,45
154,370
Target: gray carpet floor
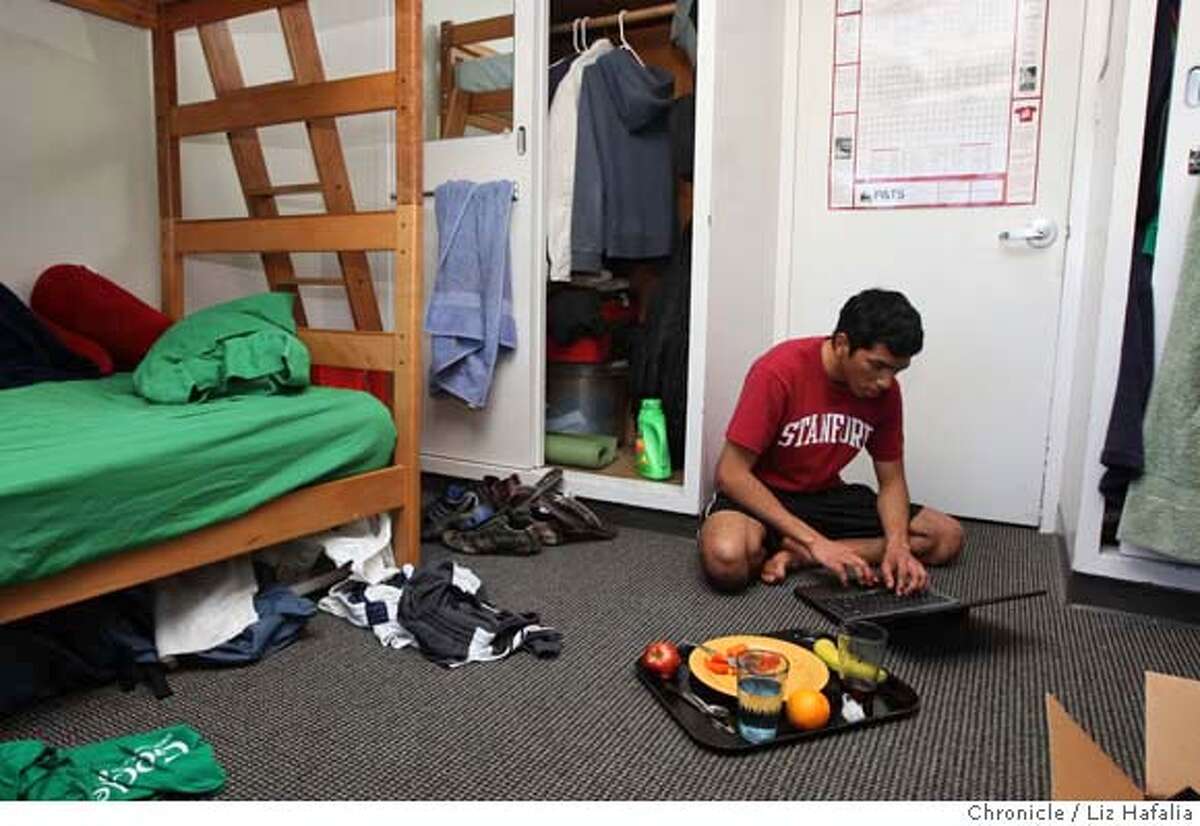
336,716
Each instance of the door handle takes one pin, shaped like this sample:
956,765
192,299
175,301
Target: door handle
1040,233
1191,88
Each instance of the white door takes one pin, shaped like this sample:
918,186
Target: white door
505,432
943,124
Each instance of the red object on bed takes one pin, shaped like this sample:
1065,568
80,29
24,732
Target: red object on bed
80,345
84,302
370,381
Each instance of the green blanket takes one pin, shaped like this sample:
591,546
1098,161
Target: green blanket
88,468
1162,510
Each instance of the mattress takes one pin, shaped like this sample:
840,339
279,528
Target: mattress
89,468
485,74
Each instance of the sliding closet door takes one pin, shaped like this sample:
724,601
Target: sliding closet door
480,103
1180,173
1180,186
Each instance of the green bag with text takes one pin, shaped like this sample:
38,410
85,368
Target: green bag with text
168,762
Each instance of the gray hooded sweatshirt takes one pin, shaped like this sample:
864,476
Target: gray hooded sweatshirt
624,201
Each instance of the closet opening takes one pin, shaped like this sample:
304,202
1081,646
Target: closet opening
619,169
1124,452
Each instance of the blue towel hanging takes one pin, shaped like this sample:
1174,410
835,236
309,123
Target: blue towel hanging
469,317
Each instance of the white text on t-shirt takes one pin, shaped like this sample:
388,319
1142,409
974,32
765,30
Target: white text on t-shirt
826,429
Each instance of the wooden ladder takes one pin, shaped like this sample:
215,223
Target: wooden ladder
239,111
333,181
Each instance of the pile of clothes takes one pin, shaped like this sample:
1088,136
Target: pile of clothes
443,610
504,516
134,636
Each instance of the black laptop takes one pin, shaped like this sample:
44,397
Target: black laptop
879,605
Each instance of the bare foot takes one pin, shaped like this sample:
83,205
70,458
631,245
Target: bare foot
775,569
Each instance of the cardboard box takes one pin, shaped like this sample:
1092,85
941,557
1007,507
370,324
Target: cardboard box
1080,770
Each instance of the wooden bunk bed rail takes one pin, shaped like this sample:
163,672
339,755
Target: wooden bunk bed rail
354,350
185,14
289,517
286,104
140,13
477,31
294,233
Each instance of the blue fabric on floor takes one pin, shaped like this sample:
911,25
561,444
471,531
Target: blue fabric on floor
282,615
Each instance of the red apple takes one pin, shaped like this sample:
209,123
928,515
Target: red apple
661,658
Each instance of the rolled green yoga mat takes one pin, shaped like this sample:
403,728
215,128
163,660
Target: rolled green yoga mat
581,450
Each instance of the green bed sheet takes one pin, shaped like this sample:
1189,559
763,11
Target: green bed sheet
89,468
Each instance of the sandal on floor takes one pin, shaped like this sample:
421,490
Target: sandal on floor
504,534
510,493
526,495
575,521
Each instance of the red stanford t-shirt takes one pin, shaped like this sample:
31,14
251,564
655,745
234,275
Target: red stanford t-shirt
805,427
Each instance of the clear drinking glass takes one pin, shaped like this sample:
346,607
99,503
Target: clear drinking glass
860,655
761,677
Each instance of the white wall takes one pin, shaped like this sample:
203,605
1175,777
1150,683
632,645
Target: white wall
77,150
354,38
748,107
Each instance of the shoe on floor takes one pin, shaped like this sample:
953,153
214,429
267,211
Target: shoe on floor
573,520
508,534
458,508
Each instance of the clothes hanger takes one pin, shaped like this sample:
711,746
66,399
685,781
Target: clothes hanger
625,43
583,30
575,35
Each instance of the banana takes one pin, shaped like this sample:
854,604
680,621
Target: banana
827,650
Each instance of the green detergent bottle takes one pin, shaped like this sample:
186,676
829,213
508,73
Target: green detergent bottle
653,455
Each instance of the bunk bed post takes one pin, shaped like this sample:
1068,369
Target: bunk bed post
445,74
407,381
170,200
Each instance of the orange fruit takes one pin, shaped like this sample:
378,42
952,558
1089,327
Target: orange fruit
807,709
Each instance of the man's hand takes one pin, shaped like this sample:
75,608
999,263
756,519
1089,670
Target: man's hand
842,561
903,572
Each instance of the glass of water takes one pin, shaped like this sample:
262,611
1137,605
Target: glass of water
761,678
860,654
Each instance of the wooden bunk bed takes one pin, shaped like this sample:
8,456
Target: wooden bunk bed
490,109
239,111
460,44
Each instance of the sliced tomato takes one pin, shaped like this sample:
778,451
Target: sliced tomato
770,661
718,664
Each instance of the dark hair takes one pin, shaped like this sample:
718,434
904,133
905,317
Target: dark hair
881,317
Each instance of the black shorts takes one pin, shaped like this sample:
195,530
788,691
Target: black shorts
843,512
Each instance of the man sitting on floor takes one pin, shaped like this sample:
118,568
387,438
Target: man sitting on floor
807,408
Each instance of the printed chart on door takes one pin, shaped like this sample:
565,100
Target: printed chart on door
936,103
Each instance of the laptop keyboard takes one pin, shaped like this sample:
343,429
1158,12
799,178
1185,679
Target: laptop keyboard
876,601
